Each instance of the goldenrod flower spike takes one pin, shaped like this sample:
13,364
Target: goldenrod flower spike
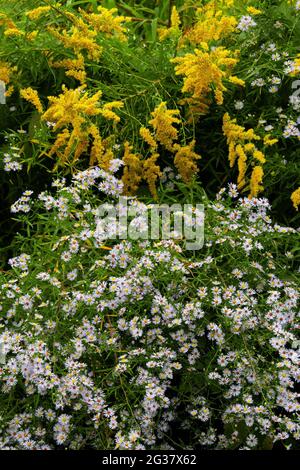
174,29
79,38
70,107
151,172
237,138
6,70
256,181
148,138
106,22
73,110
295,198
211,25
133,168
31,95
36,13
185,161
204,72
162,123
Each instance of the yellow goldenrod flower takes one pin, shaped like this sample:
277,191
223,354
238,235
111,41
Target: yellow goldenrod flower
37,12
162,123
236,134
249,147
70,64
31,95
174,28
295,198
268,141
11,28
31,36
80,75
10,32
73,110
237,138
242,166
6,70
211,25
107,110
175,18
185,161
204,71
79,38
75,67
254,11
9,91
60,142
148,138
97,150
107,157
296,66
256,181
258,155
133,169
151,172
236,81
106,22
71,106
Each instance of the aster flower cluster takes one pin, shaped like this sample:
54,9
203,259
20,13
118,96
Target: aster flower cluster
246,22
120,342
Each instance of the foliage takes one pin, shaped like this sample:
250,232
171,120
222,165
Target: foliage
89,44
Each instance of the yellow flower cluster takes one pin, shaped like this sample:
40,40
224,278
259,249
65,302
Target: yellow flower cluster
185,161
211,25
174,29
31,95
151,172
71,111
256,181
296,66
79,38
162,123
240,143
71,107
253,11
10,28
36,13
295,197
98,149
203,71
6,70
74,67
106,22
166,134
268,141
108,113
133,170
148,138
